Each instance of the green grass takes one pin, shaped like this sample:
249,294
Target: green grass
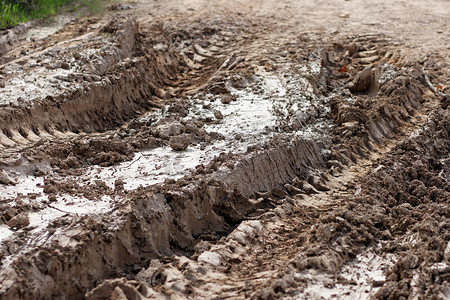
13,12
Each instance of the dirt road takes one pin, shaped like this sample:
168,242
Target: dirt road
235,149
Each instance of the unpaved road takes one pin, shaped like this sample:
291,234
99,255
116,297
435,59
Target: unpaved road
235,149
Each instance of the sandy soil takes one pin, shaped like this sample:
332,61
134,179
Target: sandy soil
241,149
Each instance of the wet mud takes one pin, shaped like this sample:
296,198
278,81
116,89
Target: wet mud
213,157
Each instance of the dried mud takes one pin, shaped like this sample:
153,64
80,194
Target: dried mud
203,157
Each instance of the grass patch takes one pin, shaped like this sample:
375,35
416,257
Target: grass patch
13,12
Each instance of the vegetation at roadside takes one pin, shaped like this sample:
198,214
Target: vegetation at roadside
13,12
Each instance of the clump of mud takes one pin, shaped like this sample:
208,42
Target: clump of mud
399,208
413,185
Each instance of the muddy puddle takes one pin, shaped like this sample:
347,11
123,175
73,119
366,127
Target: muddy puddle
360,279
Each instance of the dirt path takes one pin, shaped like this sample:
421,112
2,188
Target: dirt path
271,149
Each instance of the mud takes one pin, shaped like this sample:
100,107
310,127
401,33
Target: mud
180,151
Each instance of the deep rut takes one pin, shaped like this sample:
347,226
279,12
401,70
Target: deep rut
303,160
272,255
135,71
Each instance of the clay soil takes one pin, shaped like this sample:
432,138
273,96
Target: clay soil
227,149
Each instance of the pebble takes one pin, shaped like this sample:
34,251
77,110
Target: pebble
179,142
226,99
65,66
218,114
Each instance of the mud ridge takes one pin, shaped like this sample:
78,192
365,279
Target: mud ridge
149,225
319,240
398,211
200,154
385,216
129,86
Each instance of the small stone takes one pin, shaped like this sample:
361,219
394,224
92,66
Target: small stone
219,88
303,186
209,257
118,294
447,251
65,66
179,142
50,189
378,283
280,212
19,221
218,114
226,99
176,129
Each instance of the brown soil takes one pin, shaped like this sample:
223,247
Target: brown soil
257,150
